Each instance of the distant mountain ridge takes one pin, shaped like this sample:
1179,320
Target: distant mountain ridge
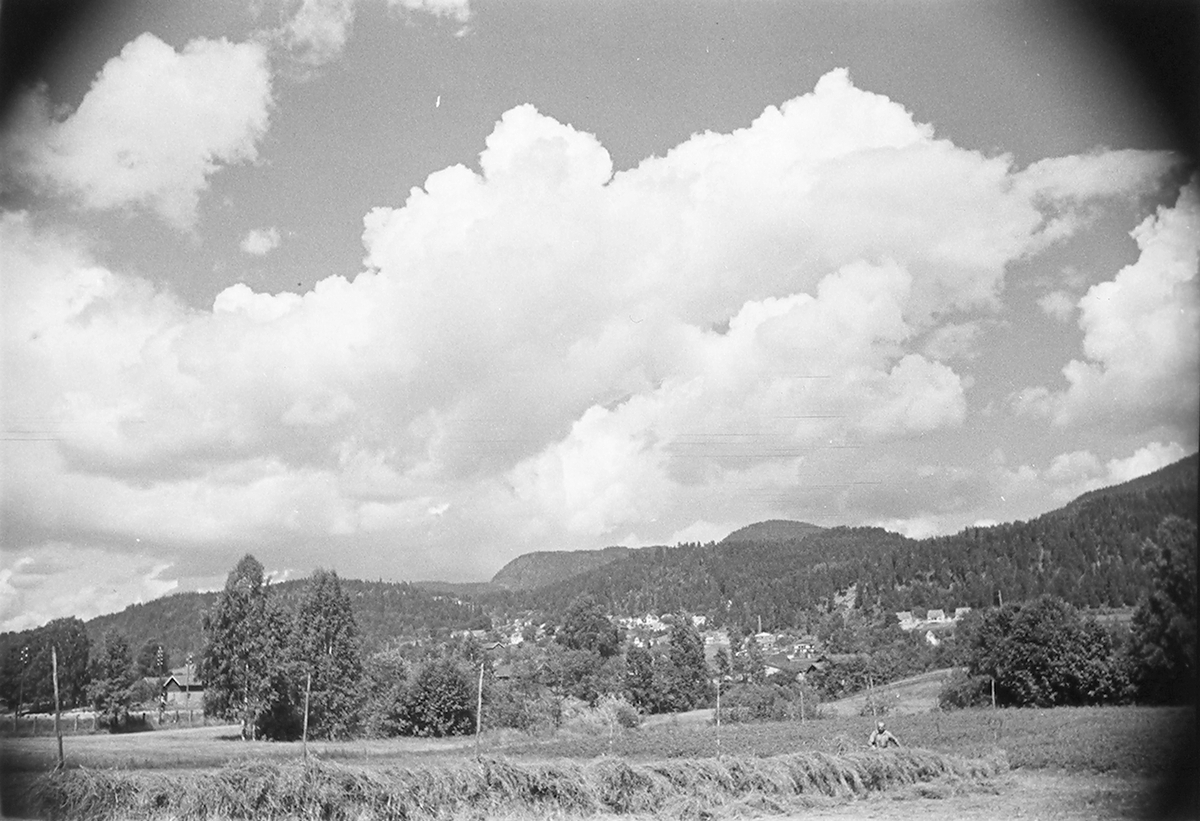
1091,552
530,571
772,530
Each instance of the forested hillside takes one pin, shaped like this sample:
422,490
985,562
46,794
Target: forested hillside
384,611
729,583
1089,553
532,570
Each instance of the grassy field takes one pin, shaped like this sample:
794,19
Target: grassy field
1122,742
918,694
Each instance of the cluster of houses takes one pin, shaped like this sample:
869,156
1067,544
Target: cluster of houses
934,622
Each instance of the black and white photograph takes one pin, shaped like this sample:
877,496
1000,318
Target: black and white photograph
589,409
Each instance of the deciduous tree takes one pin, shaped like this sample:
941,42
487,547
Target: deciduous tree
1164,624
113,676
246,673
328,646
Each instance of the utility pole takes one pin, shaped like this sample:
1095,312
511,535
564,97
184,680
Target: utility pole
57,706
479,707
718,716
307,693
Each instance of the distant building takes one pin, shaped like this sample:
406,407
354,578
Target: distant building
931,638
183,688
936,615
959,612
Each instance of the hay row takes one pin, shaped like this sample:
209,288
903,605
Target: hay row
681,788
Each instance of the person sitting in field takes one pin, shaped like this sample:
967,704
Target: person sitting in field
882,738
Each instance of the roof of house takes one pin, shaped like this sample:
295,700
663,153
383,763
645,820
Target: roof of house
184,678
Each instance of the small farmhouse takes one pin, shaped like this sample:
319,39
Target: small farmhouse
183,688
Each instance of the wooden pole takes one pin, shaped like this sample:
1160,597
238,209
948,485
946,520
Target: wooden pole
801,704
57,706
993,694
307,692
479,709
718,716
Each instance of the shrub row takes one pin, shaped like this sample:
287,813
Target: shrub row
681,788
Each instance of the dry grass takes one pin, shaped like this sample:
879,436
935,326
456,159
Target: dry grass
488,787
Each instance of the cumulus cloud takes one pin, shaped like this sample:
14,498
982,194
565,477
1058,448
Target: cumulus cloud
1070,475
259,242
55,578
542,352
152,129
455,9
1141,335
318,30
1058,304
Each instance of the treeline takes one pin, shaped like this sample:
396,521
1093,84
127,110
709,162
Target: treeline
88,674
283,674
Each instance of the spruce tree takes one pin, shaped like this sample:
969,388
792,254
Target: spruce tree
682,678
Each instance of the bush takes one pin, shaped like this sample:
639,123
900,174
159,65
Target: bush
768,702
962,690
876,705
610,714
441,700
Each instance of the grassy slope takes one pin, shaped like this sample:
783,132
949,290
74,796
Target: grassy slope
918,694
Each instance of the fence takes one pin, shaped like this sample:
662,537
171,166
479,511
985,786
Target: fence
76,723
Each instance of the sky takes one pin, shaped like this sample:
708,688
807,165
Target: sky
407,288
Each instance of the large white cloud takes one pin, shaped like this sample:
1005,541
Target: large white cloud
153,127
1141,335
541,352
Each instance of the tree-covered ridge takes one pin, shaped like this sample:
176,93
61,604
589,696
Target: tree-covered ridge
1090,553
729,583
532,570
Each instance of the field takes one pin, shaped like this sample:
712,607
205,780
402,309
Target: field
1104,762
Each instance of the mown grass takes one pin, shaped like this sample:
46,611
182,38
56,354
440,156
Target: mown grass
1132,741
466,788
1135,740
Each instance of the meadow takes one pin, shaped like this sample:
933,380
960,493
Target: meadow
671,768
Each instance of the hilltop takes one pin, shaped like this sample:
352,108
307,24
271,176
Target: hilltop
530,571
772,530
